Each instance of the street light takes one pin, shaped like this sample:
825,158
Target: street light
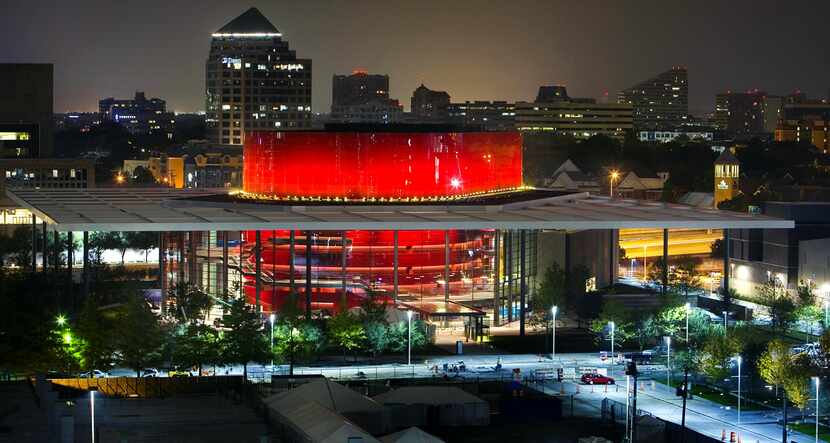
739,360
409,340
614,175
61,319
271,319
725,322
688,309
92,412
668,361
553,332
611,325
817,384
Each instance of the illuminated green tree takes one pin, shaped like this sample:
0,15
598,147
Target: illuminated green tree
346,331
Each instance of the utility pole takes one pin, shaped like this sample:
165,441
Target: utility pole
631,422
685,396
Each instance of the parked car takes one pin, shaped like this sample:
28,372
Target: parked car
94,374
596,379
179,373
150,372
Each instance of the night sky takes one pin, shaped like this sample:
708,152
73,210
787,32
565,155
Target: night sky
472,49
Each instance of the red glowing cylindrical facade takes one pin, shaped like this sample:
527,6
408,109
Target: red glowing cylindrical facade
380,164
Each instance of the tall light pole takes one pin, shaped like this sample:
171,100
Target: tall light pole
817,384
92,412
271,351
688,309
725,322
611,325
409,340
668,361
614,175
739,360
553,332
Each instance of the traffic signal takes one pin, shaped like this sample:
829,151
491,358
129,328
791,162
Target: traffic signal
631,369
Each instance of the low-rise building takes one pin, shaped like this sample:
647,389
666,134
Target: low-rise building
580,118
139,115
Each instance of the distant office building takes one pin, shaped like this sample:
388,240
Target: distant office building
139,115
254,81
430,105
548,94
810,130
82,121
580,118
27,138
26,116
359,87
363,98
741,114
487,115
661,102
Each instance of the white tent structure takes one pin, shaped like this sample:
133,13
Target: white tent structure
312,422
411,435
435,405
364,411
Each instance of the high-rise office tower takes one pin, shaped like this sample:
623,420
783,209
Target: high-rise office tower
26,119
661,102
429,104
358,88
363,98
743,114
254,81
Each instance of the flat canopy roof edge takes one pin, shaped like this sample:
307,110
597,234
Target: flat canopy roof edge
148,209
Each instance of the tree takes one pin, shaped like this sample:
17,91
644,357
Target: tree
781,307
346,331
552,290
806,310
141,241
377,337
138,335
399,336
95,328
718,350
296,341
243,340
797,381
191,303
614,311
684,278
196,345
774,363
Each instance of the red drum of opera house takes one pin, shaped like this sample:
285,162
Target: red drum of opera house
381,164
366,165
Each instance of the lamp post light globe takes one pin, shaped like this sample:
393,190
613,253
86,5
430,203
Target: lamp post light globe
613,177
271,319
739,360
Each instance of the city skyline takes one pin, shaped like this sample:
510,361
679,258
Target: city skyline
596,48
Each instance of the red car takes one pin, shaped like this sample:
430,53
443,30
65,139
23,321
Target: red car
596,379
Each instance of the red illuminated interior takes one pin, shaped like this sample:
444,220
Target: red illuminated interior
380,164
373,165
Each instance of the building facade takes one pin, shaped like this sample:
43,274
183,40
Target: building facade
254,81
427,104
26,114
487,115
727,177
742,114
579,119
661,102
139,115
363,98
